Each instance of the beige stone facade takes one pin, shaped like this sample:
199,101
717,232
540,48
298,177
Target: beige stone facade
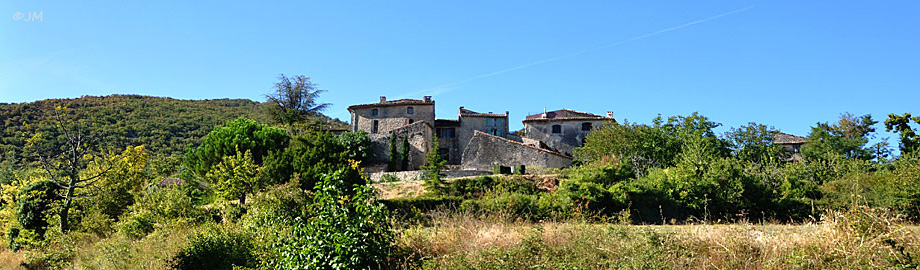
563,130
385,116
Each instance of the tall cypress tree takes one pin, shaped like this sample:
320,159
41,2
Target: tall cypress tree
405,154
393,163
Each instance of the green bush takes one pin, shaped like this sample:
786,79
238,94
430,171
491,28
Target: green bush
216,249
344,231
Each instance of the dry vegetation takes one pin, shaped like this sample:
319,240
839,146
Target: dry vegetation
851,240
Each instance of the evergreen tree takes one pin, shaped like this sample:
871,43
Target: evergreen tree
405,154
434,166
393,163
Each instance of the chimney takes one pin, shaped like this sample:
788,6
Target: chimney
383,99
490,112
506,113
544,113
609,114
427,98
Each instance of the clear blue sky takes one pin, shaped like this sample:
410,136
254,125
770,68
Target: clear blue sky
788,64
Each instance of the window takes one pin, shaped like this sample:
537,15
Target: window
586,126
447,132
374,128
493,132
410,110
557,129
375,112
489,122
498,122
411,121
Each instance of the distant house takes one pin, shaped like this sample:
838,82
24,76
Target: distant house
791,144
563,130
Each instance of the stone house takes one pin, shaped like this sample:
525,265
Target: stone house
562,130
791,144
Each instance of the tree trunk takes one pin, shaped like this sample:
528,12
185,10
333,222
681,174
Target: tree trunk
66,207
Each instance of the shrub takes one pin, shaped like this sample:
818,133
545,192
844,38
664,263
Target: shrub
216,249
345,231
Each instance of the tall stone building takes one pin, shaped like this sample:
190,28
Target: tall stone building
475,140
385,116
563,130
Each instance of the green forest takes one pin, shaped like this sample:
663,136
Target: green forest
135,182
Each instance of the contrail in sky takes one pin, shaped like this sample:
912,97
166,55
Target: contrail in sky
451,86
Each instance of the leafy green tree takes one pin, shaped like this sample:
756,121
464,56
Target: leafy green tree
358,145
847,138
115,191
35,203
393,162
310,157
900,124
404,162
295,100
240,135
434,166
347,229
235,176
753,142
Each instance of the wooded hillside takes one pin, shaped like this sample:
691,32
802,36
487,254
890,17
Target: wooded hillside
163,125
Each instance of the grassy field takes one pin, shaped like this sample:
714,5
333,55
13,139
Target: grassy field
464,242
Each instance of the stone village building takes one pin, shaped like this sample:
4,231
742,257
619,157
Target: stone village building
475,140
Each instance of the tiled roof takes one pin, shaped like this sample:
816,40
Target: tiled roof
564,114
784,138
465,112
398,102
522,144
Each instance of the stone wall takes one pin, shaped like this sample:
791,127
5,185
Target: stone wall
485,151
570,137
419,174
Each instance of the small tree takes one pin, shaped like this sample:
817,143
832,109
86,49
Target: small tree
434,166
235,176
404,163
393,163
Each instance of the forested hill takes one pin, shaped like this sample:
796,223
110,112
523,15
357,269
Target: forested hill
163,125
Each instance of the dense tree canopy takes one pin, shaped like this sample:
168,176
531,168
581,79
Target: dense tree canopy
238,135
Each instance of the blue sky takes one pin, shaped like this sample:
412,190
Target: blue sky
787,64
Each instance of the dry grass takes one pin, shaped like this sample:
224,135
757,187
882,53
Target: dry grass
400,189
10,259
462,240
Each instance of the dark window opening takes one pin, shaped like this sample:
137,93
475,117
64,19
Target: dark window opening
411,121
410,110
557,129
447,132
444,153
586,126
374,128
375,112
